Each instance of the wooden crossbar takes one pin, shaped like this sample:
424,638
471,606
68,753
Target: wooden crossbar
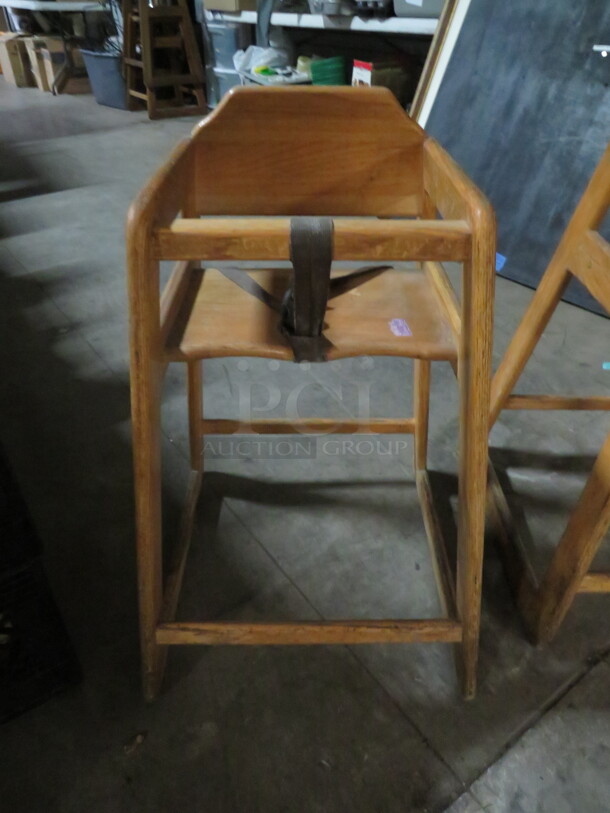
310,632
312,426
356,239
557,402
595,583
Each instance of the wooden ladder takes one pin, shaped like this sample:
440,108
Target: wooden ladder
161,58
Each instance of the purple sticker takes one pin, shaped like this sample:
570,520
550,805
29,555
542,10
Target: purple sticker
399,327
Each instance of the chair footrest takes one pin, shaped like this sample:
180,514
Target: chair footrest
313,426
310,632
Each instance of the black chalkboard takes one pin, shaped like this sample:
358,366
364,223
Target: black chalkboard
524,107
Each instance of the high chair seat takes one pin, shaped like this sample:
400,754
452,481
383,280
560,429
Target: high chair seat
391,313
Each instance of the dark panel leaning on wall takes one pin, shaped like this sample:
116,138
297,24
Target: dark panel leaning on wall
524,107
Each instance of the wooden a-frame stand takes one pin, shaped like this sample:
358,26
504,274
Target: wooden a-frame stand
582,253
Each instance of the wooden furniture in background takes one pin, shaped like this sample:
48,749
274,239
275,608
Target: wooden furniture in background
582,253
283,152
161,58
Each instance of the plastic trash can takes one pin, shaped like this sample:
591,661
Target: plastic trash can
107,82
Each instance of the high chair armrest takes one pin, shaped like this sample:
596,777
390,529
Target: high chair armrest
454,195
166,193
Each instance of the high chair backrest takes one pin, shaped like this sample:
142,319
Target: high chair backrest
319,151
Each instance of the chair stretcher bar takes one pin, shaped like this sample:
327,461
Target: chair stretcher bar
351,631
310,632
590,402
287,426
595,583
355,239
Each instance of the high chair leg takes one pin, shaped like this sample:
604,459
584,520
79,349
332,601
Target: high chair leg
195,409
474,367
147,467
421,408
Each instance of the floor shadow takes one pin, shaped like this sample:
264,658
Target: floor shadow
503,458
18,178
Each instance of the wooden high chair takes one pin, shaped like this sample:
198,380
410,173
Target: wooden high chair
582,253
228,193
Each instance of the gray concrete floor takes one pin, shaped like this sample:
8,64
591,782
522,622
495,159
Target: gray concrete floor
376,728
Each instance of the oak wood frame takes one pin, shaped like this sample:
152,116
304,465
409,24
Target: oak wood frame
582,253
154,233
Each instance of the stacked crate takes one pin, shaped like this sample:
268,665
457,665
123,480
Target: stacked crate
36,656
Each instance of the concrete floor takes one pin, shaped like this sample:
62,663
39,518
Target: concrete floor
376,728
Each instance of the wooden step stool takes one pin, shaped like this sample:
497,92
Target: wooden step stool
582,253
228,193
161,58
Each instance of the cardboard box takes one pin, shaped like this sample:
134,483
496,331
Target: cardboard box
14,60
47,58
33,45
230,5
392,74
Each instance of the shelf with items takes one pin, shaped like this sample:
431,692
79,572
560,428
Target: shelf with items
54,5
375,40
425,26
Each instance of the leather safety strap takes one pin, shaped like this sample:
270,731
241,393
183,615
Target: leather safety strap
242,279
304,305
